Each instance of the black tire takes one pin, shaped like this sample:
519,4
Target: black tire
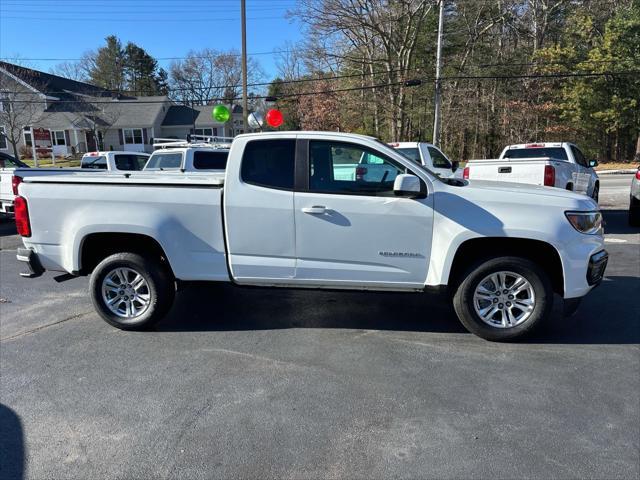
160,286
463,299
634,213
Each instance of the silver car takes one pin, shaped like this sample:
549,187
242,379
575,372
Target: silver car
634,201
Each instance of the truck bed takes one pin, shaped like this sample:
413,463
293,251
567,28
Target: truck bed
182,212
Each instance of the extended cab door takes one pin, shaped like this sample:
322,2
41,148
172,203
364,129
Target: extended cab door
356,232
258,211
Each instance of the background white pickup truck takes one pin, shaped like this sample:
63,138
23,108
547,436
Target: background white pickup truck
559,164
278,216
114,161
197,154
429,156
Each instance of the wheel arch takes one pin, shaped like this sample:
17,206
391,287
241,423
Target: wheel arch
95,247
542,253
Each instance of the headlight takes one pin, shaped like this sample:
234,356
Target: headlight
586,222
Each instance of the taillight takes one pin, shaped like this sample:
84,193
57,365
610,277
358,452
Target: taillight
15,181
549,176
465,173
360,173
638,174
21,213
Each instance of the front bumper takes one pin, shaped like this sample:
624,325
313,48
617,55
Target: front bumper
597,266
33,263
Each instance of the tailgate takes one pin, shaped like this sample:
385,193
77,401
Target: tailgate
508,171
6,191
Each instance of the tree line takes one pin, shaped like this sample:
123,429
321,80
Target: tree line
513,71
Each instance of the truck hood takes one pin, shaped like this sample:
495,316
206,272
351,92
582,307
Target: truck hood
511,195
522,188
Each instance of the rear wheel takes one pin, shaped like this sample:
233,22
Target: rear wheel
130,291
503,298
634,213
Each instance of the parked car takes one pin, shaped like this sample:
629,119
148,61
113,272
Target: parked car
278,216
429,156
196,154
114,161
558,164
634,200
8,164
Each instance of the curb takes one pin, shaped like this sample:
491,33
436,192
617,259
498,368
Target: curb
616,172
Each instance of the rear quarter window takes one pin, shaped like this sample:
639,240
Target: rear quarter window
217,160
551,152
94,162
269,163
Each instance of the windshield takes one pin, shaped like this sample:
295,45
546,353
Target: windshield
551,152
411,153
164,161
10,162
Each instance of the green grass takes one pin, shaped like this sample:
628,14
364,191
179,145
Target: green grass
47,163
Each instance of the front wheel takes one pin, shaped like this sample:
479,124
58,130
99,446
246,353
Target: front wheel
130,291
503,298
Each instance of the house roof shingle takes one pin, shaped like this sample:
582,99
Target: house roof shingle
50,84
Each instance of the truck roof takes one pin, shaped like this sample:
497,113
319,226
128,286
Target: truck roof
305,132
537,145
409,144
98,154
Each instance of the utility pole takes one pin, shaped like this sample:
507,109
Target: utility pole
245,103
436,119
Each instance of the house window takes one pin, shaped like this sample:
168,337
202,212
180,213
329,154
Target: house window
5,105
28,138
3,139
132,136
207,132
57,137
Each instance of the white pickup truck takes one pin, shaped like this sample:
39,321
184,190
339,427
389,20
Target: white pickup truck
558,164
429,156
197,154
114,161
278,217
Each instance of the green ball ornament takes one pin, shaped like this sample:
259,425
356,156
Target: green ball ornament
220,113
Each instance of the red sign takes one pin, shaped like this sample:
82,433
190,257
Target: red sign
41,134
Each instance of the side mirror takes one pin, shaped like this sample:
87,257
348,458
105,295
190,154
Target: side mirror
593,163
455,165
406,185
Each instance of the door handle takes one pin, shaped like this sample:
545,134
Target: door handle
315,210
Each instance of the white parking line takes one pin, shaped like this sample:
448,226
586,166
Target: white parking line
614,240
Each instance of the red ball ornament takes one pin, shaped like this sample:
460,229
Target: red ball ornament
274,118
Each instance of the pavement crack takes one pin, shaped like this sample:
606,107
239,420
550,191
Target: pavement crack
42,327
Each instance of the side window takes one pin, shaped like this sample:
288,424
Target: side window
203,160
269,163
438,158
332,169
98,163
124,162
577,154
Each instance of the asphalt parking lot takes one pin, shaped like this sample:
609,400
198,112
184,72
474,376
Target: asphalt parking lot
254,383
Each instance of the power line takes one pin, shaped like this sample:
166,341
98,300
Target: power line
136,20
365,87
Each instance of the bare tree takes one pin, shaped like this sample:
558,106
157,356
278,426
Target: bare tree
19,107
210,74
380,36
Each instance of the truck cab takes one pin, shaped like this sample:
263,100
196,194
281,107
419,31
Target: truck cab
114,161
196,154
429,156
